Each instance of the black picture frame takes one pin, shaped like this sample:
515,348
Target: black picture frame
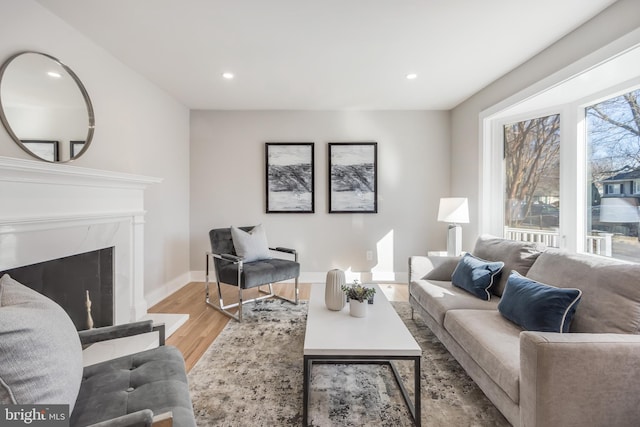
289,177
75,147
353,177
42,148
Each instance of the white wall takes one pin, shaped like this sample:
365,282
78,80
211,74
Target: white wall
612,24
139,129
228,185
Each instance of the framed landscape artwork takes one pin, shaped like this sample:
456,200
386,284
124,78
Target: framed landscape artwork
353,177
290,177
46,150
76,148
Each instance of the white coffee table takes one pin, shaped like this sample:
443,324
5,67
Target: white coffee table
380,337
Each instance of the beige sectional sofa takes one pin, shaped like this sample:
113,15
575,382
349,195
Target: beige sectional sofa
587,377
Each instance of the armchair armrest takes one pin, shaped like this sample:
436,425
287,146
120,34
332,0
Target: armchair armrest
229,257
432,267
91,336
579,379
287,250
142,418
226,257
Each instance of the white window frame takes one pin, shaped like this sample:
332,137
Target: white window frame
569,197
574,191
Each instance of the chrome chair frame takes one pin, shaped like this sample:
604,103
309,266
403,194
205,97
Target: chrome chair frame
221,307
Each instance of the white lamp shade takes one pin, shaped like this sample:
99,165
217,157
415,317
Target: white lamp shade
454,210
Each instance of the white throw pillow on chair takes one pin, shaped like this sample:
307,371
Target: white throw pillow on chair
252,245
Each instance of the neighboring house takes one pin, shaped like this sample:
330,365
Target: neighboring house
624,184
619,204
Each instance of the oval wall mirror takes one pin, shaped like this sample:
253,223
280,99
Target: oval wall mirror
45,107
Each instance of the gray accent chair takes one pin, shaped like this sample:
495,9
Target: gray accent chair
41,363
148,388
232,270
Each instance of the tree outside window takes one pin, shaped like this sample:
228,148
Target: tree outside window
532,173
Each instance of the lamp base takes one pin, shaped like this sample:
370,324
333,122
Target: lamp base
454,240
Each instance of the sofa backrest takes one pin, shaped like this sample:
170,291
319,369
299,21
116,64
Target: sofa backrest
610,289
517,256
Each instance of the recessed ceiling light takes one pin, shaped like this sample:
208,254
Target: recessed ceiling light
411,76
54,74
228,76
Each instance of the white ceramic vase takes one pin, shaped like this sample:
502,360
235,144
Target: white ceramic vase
357,308
334,297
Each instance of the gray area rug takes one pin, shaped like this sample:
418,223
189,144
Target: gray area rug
252,376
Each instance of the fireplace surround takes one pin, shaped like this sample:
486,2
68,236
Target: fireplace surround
51,211
75,282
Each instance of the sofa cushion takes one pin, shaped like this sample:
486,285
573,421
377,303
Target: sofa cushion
535,306
476,275
251,245
438,297
610,290
436,267
154,379
40,352
518,256
493,342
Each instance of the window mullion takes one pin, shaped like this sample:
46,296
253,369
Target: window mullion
572,180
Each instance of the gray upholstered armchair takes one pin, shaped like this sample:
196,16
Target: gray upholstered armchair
148,388
41,363
234,270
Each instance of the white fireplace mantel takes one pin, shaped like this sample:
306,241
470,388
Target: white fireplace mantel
52,210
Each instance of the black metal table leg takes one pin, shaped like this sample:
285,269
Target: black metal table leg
305,391
417,407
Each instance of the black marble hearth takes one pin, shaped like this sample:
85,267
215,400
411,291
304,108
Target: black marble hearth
66,280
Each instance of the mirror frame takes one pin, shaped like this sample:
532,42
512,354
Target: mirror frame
83,91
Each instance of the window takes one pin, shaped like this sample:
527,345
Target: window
612,189
587,197
613,147
532,178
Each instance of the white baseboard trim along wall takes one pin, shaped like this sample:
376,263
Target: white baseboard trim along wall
179,282
320,277
168,288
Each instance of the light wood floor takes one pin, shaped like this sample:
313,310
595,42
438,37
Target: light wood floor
205,323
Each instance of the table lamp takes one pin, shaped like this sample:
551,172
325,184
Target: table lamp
455,211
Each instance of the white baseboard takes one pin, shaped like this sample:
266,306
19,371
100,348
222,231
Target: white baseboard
362,277
168,288
321,277
199,276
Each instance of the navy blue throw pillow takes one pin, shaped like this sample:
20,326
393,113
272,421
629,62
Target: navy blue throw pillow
476,275
535,306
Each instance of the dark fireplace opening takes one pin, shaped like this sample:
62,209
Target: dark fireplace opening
67,280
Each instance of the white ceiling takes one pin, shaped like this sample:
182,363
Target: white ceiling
616,75
324,54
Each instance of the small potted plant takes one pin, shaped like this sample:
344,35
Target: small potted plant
358,297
